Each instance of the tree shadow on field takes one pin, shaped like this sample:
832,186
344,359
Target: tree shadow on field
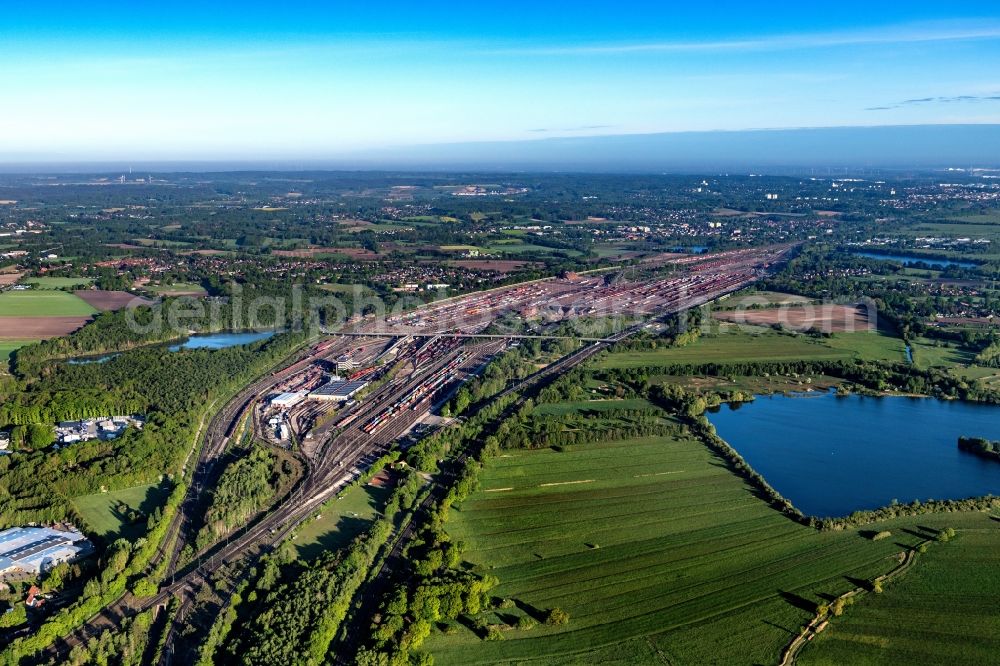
798,601
534,613
785,629
826,596
508,618
859,582
467,622
919,535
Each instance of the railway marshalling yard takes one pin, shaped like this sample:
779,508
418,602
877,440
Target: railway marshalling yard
416,360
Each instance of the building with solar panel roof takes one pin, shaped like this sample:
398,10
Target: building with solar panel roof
34,550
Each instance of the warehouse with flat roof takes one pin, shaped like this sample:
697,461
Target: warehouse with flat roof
337,390
35,550
286,400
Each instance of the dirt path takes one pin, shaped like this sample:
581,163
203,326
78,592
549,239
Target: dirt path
818,623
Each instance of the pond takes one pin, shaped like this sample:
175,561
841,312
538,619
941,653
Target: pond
88,360
831,455
914,259
221,340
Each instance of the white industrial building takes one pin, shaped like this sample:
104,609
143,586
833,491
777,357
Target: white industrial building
34,550
286,400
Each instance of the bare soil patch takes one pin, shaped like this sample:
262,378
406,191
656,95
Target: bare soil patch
111,300
37,328
8,278
826,317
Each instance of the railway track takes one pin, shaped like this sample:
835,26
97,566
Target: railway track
340,459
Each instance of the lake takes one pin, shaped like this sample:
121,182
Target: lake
221,340
913,259
831,455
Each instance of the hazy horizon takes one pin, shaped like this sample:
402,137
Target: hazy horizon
775,151
247,81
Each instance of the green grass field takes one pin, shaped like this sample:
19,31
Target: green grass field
927,354
346,288
762,298
459,248
58,282
751,384
101,515
869,346
658,553
345,519
159,242
973,226
7,348
944,611
986,217
766,346
514,246
42,303
594,406
174,289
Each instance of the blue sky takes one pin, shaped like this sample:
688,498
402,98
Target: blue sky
186,80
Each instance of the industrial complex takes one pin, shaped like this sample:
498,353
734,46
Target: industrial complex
34,550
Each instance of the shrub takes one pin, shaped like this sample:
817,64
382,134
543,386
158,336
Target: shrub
525,623
557,616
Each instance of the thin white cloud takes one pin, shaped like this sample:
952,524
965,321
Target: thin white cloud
897,34
952,99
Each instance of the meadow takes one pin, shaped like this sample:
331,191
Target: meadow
594,406
179,289
102,515
927,354
767,345
42,303
943,611
59,282
7,348
761,298
657,552
341,521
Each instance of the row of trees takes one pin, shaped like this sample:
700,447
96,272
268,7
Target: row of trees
539,430
293,611
870,375
436,586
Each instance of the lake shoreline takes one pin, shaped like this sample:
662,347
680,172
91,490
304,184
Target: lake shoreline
818,453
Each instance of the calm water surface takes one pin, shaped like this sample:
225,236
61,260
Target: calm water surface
89,360
831,455
913,259
221,340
